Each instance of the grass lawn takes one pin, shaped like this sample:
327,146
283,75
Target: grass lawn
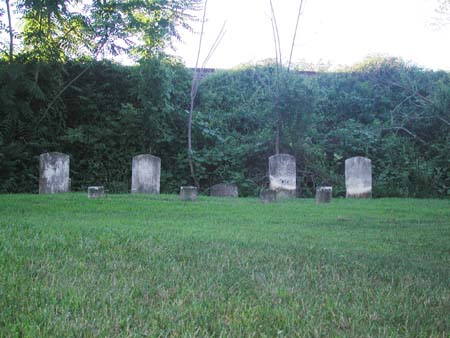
135,265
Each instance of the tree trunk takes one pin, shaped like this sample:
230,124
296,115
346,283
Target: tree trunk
277,136
190,160
194,87
11,34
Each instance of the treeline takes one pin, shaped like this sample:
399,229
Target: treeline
394,113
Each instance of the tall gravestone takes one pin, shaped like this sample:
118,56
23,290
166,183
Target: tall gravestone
224,190
146,174
358,177
283,175
54,173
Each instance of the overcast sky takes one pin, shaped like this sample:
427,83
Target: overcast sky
338,32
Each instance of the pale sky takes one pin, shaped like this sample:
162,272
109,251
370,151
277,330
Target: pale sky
340,32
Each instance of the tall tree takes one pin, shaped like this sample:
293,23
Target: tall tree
10,31
280,79
443,13
61,29
53,30
56,30
198,71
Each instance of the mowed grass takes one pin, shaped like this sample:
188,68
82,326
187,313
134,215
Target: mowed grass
136,266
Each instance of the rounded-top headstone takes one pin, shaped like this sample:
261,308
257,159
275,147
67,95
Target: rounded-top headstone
146,174
358,177
224,190
188,193
283,175
324,194
54,173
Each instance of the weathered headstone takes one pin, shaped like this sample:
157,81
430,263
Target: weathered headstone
224,190
268,196
54,173
146,173
188,193
324,194
283,175
96,192
358,177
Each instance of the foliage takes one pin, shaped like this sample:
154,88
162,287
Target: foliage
52,31
394,113
57,30
143,27
102,121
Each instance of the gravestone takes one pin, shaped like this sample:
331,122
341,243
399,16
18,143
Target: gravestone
188,193
358,177
268,196
54,173
324,194
224,190
283,175
146,173
96,192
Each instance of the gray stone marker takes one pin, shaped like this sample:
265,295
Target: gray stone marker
146,173
188,193
324,194
268,196
224,190
96,192
283,175
358,177
54,173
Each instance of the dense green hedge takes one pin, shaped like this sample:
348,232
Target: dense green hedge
392,112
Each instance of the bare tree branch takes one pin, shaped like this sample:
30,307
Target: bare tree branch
277,33
195,84
415,92
295,33
408,132
44,115
194,87
275,42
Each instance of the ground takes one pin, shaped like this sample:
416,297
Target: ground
147,265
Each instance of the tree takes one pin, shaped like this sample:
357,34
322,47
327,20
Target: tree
61,29
10,31
194,87
281,73
56,30
53,31
137,27
443,13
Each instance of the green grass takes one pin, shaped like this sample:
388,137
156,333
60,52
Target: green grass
139,266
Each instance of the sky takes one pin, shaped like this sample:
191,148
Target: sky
331,32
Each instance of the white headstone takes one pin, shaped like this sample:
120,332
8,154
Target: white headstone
146,173
54,173
358,177
283,175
